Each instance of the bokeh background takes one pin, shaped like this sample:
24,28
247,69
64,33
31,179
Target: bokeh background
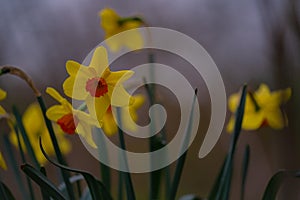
250,41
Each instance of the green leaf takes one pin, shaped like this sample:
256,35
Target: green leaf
44,193
274,184
98,190
42,181
225,181
213,193
181,160
245,169
5,193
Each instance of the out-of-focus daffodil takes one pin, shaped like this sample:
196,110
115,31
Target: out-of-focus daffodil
262,108
2,96
35,127
2,162
109,125
70,120
96,83
113,24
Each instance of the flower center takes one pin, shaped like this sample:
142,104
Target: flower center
97,87
68,123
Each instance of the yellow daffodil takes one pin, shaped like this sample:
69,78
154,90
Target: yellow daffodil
109,125
2,96
262,108
113,24
96,83
2,162
35,127
70,120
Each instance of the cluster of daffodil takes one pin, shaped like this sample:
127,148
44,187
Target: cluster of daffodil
100,89
101,92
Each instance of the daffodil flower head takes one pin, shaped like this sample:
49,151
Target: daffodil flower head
113,24
35,127
70,120
2,162
96,84
262,108
109,125
2,96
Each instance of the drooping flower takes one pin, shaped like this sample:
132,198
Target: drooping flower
262,108
113,24
70,120
2,96
2,162
35,127
109,125
96,84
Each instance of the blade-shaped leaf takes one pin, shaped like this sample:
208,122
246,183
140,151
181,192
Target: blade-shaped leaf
42,181
5,193
275,183
97,189
225,181
245,169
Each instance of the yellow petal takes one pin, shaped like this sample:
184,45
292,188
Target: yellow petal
2,162
276,119
133,40
85,131
109,20
3,94
75,91
2,111
280,97
109,125
99,60
119,96
118,77
33,119
98,106
253,120
53,93
56,112
72,67
230,125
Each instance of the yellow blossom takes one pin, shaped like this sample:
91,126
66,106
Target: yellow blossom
262,108
70,120
35,127
109,124
2,96
113,24
96,83
2,162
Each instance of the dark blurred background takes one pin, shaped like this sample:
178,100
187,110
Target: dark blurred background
250,41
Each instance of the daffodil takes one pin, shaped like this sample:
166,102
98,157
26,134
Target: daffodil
35,127
109,125
2,162
262,107
70,120
96,84
113,24
2,96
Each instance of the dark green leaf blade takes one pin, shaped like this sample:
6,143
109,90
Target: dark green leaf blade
42,181
97,189
5,193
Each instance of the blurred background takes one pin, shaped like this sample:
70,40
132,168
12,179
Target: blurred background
250,41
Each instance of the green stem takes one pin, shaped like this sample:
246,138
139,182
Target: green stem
128,181
120,186
59,156
14,165
24,161
25,137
